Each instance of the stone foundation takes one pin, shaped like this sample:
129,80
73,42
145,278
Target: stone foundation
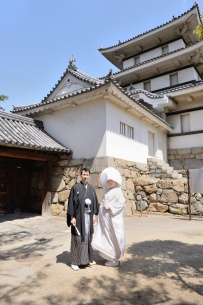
145,187
187,158
67,172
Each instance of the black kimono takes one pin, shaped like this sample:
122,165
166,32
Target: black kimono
81,249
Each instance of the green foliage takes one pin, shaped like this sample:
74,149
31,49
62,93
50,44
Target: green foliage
2,99
199,29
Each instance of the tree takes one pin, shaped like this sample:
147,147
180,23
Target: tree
2,99
199,29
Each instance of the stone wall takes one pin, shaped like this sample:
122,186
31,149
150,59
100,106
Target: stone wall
156,195
147,188
187,158
67,172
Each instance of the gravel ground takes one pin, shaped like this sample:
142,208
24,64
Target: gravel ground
163,264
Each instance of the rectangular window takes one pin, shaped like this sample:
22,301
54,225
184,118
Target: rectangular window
173,79
147,85
185,122
126,130
164,49
137,60
151,144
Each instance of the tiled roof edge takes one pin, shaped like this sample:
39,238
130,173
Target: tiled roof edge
46,102
120,43
81,76
16,117
155,58
182,87
129,95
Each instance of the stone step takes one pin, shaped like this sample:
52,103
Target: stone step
162,169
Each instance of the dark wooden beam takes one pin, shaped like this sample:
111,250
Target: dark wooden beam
34,155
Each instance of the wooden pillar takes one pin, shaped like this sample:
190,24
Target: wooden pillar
46,204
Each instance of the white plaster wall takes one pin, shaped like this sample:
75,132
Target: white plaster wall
160,82
163,81
175,45
175,122
129,149
150,54
172,46
128,63
187,141
196,122
138,86
81,129
93,130
187,75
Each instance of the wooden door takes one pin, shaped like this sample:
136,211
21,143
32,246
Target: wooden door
15,181
4,186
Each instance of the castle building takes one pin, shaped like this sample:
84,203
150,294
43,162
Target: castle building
151,108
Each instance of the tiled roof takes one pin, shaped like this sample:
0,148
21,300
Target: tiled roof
153,59
181,87
147,93
23,132
54,100
127,93
174,18
143,105
79,75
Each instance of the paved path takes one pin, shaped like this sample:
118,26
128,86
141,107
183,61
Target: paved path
163,264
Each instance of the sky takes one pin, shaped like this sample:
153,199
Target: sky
38,37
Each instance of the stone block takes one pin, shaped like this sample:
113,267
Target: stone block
129,184
71,172
145,180
63,196
63,162
197,150
152,188
100,193
56,209
172,152
176,164
142,205
179,209
178,185
76,162
193,163
128,208
197,208
184,151
183,198
95,180
130,195
58,184
164,184
169,195
158,207
152,197
199,156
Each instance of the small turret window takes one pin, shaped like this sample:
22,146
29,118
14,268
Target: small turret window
173,79
126,130
164,49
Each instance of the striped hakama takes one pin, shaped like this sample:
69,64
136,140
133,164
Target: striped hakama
81,249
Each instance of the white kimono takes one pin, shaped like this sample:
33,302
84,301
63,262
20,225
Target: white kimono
109,237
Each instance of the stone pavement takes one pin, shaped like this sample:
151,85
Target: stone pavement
162,265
